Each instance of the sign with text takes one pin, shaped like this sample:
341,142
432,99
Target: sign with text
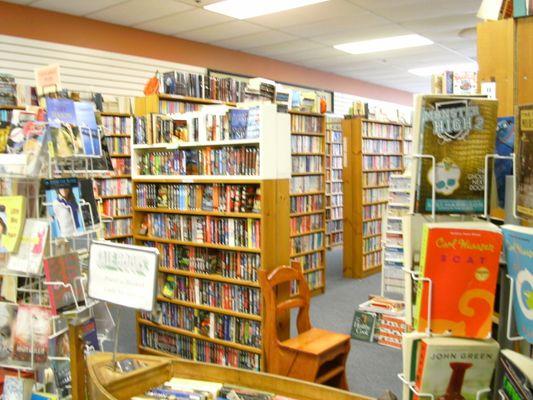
123,274
48,77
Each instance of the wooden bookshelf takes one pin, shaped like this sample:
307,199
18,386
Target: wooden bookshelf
308,146
334,201
367,168
115,189
218,268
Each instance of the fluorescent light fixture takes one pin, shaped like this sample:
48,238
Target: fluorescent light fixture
242,9
439,69
384,44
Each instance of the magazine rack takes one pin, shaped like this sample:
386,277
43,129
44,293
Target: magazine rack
433,190
415,275
510,312
412,388
488,157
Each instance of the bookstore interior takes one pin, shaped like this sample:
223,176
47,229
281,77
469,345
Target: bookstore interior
213,199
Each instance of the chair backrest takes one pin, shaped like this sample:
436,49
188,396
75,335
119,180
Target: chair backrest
278,304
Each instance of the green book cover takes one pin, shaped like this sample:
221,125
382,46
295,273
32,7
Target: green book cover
363,326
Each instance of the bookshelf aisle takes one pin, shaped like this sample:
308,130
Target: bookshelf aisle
308,200
334,203
213,205
114,189
374,152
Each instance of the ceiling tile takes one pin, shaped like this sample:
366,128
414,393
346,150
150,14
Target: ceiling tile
301,57
284,48
448,23
357,33
136,11
226,30
75,7
194,18
199,3
255,40
308,14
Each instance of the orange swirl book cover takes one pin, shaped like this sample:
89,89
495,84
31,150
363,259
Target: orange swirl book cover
461,259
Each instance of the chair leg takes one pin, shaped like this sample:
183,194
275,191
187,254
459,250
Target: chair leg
343,383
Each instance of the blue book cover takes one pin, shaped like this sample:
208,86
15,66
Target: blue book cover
63,203
60,110
86,122
238,123
504,147
519,254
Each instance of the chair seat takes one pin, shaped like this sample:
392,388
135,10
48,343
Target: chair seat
315,341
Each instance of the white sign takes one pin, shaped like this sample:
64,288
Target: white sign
123,274
48,76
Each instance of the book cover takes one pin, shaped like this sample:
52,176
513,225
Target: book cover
517,375
32,325
519,254
524,162
464,83
8,315
86,121
522,8
461,259
90,336
63,198
363,326
43,396
29,256
59,347
455,368
64,268
12,217
64,132
504,147
17,388
8,291
89,208
238,119
458,132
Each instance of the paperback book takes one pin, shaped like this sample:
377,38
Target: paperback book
28,259
32,330
461,259
89,207
8,315
64,132
86,122
524,162
458,132
59,352
90,336
17,388
12,217
63,268
504,147
63,198
363,326
519,254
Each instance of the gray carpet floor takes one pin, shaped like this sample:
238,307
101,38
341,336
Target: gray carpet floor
371,368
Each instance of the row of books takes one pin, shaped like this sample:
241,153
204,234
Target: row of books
177,107
306,144
373,195
303,184
308,242
335,200
376,178
381,146
118,145
206,323
227,296
334,187
116,207
373,211
335,224
310,261
307,223
380,130
372,244
315,279
225,160
335,213
382,162
207,197
198,350
306,124
372,228
233,232
228,264
300,204
114,187
336,162
121,166
199,85
117,227
302,164
371,260
117,125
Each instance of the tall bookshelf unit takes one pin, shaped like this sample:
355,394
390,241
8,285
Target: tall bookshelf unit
374,151
115,189
334,201
209,298
308,200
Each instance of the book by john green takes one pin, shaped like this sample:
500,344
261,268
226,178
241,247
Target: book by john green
453,368
363,326
458,132
519,253
462,261
12,217
524,162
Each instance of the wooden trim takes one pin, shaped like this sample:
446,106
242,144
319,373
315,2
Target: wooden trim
198,212
196,244
210,277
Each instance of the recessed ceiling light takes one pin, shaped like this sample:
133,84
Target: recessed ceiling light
242,9
384,44
439,69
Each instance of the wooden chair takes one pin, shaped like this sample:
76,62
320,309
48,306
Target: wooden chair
314,355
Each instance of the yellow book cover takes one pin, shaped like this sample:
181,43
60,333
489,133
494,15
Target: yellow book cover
458,131
12,217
